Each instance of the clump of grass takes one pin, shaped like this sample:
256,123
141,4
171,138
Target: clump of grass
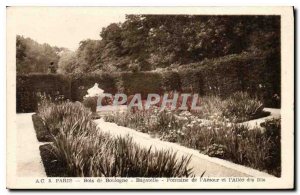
239,107
55,112
85,151
210,105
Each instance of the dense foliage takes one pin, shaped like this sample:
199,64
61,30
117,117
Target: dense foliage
148,42
34,57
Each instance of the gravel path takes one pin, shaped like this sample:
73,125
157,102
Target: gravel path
274,113
29,162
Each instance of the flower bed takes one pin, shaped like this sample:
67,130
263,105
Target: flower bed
219,136
82,150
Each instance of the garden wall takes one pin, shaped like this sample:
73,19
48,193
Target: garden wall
257,74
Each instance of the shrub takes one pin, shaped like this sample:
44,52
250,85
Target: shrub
216,150
91,103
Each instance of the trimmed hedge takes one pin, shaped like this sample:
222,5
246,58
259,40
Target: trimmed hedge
29,85
257,74
171,81
191,81
140,82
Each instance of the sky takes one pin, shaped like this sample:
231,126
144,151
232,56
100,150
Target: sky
62,26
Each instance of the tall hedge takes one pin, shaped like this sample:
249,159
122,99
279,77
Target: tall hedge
140,82
258,74
29,85
171,81
191,81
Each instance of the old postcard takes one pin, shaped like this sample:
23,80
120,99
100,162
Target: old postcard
150,98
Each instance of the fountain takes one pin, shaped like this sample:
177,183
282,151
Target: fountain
95,91
90,100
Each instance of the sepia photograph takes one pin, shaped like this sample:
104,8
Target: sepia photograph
150,98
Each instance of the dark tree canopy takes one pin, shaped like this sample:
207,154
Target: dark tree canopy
34,57
148,42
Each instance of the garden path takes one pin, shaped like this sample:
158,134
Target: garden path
274,113
29,162
213,167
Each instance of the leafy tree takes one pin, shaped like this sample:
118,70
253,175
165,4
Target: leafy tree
68,62
155,41
149,42
34,57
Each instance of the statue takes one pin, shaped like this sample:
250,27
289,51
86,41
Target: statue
52,68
